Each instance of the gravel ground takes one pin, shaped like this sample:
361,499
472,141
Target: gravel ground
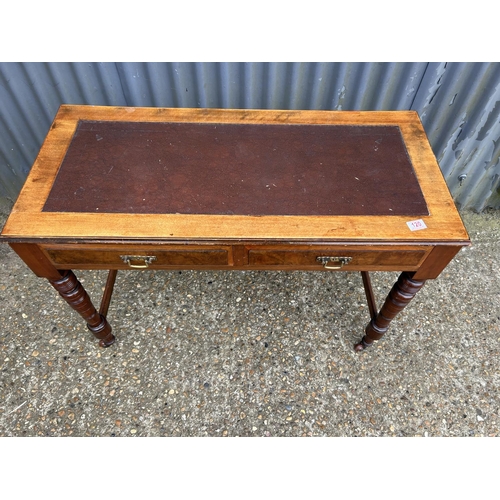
255,353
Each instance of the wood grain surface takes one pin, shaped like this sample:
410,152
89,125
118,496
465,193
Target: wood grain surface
29,220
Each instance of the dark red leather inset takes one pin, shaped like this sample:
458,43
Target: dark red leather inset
244,169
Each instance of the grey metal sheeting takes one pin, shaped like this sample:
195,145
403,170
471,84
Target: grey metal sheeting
459,104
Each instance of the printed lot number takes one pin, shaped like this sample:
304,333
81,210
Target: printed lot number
416,225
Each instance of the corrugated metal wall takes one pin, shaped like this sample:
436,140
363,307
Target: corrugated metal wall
459,104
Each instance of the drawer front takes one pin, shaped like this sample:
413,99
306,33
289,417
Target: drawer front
104,256
338,258
137,257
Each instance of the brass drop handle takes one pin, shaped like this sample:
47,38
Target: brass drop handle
141,261
338,261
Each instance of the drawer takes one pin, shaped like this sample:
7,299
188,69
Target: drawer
137,257
107,256
346,258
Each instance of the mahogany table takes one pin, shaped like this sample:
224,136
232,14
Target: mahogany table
157,188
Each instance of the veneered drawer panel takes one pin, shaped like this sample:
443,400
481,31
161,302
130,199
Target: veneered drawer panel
104,257
386,258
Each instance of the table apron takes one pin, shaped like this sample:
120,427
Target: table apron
258,257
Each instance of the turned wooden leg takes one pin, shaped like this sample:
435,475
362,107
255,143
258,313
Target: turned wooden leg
72,291
399,297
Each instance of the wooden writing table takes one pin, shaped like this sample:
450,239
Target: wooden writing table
119,188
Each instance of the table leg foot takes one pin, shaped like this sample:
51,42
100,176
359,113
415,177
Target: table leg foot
361,345
103,333
400,295
72,291
108,341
